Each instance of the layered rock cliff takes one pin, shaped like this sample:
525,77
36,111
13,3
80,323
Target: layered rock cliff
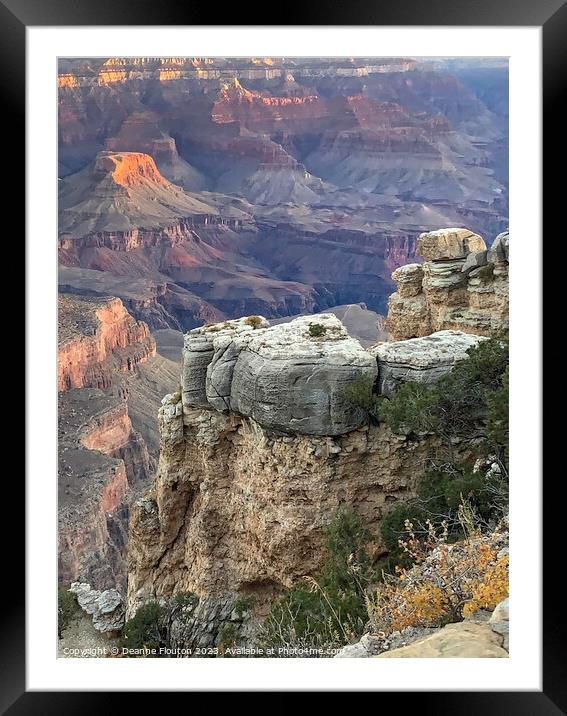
101,458
461,285
98,337
104,362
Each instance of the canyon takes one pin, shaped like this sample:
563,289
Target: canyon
205,189
248,237
111,380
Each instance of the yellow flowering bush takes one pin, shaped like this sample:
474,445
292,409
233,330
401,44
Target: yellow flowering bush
447,582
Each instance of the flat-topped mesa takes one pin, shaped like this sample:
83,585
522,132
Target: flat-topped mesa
288,378
123,194
128,169
461,285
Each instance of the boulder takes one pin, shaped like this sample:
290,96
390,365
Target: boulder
368,645
289,377
499,621
408,280
474,260
421,360
454,641
498,252
448,244
106,607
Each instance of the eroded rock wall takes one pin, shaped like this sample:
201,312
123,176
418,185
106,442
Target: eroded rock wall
101,460
238,509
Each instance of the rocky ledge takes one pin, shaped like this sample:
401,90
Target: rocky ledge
420,360
461,285
288,377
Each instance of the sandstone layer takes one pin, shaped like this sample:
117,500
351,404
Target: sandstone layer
465,640
461,286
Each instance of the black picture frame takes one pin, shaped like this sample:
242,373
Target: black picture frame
551,16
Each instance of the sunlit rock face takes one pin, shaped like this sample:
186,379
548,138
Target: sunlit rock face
96,338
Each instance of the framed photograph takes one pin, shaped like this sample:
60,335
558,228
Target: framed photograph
283,377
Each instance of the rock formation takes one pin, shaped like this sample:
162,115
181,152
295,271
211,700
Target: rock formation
108,374
462,286
106,608
420,360
101,458
464,640
287,377
259,449
98,337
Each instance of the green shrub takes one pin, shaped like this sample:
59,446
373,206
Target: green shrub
184,600
145,628
360,392
317,329
244,603
457,404
329,609
227,637
486,273
254,321
497,402
67,609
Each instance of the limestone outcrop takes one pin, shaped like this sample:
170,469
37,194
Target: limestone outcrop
462,285
420,360
288,377
106,608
